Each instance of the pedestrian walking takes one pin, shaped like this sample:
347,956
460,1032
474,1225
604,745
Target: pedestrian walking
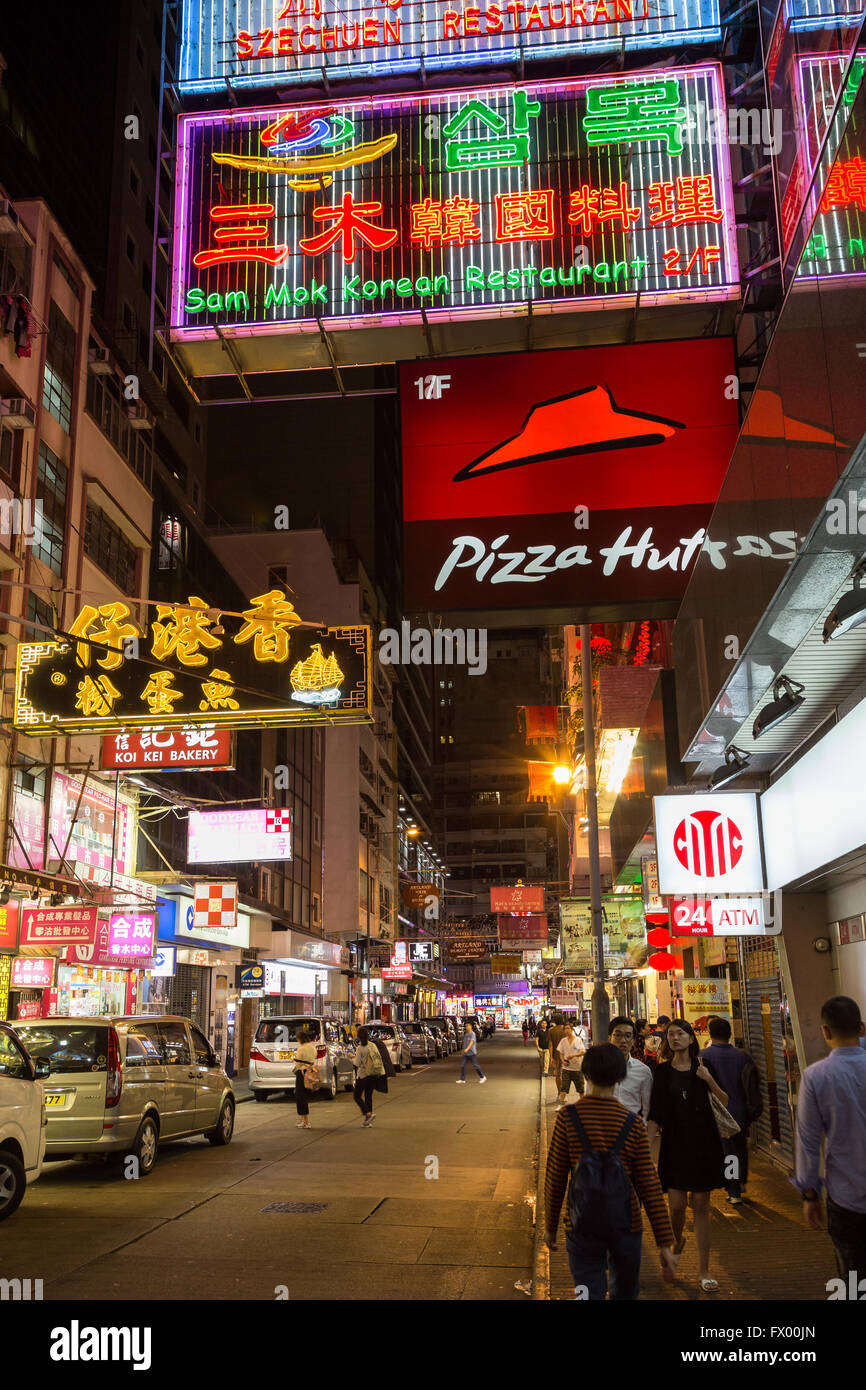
691,1157
571,1052
605,1150
832,1107
470,1054
635,1089
738,1075
306,1077
541,1043
554,1038
525,1031
369,1066
532,1025
638,1047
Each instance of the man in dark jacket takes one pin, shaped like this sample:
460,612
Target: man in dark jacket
729,1063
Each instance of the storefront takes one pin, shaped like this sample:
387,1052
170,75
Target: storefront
89,991
204,985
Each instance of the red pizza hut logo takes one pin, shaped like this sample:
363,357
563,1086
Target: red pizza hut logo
708,844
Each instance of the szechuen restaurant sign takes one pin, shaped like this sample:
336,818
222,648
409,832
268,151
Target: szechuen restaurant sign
193,665
565,194
268,43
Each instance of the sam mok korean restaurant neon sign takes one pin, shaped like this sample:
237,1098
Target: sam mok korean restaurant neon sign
269,43
457,204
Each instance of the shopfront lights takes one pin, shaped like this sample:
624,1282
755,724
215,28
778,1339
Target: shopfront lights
849,611
736,761
787,696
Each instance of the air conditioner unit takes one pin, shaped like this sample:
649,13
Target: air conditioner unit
99,361
139,416
8,217
17,413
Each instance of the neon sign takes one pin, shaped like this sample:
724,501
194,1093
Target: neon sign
454,204
193,667
270,43
837,244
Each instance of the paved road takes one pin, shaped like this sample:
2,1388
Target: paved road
199,1227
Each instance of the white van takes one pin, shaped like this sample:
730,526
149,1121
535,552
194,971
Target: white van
22,1120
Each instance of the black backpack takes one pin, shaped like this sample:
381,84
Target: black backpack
750,1081
600,1193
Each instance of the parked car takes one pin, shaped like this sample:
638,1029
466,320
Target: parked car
422,1044
442,1034
442,1046
122,1086
454,1028
395,1039
22,1120
272,1053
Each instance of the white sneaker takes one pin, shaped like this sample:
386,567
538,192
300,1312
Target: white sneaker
482,1081
460,1083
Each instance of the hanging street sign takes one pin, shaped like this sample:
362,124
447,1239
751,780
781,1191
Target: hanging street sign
463,204
193,666
141,750
242,44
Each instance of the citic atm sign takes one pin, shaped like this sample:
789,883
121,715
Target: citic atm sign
718,916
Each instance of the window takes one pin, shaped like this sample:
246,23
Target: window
30,782
317,828
265,893
12,1059
175,1044
39,612
201,1048
52,480
108,547
59,368
65,272
10,456
317,910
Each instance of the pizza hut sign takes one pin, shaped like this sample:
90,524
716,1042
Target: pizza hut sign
709,844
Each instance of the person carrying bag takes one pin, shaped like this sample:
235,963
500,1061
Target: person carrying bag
307,1078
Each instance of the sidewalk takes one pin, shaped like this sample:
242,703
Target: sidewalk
760,1250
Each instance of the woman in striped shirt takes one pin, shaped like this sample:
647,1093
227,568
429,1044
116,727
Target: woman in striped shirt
603,1117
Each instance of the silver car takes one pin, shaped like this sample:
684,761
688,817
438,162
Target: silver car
394,1039
122,1086
422,1045
272,1054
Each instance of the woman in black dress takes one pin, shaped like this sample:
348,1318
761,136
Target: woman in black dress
691,1157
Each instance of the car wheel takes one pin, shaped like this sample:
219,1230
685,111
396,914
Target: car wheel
225,1127
13,1184
260,1095
331,1089
145,1146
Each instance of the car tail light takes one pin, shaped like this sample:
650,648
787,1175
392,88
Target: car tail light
114,1084
256,1056
321,1052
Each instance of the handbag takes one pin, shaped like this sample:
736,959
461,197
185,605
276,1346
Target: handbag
725,1122
312,1080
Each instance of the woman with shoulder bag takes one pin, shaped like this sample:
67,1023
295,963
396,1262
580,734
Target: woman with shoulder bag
370,1068
688,1106
306,1077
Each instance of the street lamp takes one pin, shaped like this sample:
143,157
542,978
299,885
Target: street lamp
562,774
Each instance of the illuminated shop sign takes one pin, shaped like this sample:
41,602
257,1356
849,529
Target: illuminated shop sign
803,15
273,43
139,751
248,835
564,477
193,666
564,194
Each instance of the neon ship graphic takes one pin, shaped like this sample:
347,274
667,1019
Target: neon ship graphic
583,422
308,147
316,681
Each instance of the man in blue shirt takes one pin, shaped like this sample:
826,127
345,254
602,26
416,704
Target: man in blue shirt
729,1063
470,1054
832,1106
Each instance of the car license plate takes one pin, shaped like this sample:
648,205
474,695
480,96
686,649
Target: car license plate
55,1100
285,1056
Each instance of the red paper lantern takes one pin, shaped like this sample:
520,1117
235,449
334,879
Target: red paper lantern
659,936
663,960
